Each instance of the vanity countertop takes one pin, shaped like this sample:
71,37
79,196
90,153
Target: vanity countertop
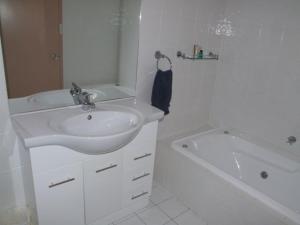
33,127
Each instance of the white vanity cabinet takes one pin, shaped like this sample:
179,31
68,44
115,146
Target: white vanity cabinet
80,189
58,196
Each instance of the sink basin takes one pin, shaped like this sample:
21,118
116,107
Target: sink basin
98,124
97,132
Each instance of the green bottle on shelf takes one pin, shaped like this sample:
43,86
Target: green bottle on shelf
200,53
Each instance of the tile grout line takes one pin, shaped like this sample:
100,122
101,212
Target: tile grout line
136,213
156,204
173,219
140,218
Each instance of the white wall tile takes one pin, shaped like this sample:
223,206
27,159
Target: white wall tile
9,152
169,26
11,189
258,78
4,114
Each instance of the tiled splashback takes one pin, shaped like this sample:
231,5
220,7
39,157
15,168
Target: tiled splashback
168,26
258,79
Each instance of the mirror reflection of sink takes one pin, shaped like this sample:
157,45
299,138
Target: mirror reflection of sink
96,132
60,97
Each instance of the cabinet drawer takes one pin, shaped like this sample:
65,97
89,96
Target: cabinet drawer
137,178
142,149
59,196
142,159
138,194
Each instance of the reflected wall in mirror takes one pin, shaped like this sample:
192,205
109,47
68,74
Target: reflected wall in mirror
48,44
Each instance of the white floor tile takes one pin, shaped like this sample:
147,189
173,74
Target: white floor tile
170,223
153,216
150,204
189,218
124,218
131,221
159,194
172,207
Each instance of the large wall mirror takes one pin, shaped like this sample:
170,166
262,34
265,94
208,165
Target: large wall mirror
50,44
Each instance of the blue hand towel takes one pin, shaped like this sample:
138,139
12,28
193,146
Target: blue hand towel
162,90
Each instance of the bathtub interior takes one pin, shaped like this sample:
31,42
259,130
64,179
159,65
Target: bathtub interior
270,173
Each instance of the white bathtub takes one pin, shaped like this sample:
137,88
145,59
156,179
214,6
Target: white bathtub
227,175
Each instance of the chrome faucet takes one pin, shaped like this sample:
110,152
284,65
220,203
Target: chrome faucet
87,104
76,91
82,98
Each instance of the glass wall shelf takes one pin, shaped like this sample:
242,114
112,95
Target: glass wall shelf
209,56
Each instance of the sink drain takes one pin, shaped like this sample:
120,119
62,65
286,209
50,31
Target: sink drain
264,175
185,146
89,117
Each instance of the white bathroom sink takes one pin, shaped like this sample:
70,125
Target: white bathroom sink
97,132
100,123
103,130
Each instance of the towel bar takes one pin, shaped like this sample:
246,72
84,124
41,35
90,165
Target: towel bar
158,55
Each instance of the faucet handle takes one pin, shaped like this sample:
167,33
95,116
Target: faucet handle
75,90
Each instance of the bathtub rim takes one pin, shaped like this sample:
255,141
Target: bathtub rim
284,212
244,136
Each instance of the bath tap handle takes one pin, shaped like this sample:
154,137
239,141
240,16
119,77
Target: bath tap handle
291,140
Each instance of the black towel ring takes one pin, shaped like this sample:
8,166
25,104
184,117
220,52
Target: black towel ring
158,55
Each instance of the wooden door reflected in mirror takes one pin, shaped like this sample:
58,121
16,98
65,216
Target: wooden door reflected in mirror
48,44
32,45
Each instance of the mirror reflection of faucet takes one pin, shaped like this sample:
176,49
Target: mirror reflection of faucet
82,97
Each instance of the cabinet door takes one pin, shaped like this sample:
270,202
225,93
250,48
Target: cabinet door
59,196
103,186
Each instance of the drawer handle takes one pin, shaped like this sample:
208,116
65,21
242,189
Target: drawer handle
107,168
62,182
140,195
140,177
143,156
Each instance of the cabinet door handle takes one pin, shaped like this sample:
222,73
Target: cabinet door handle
143,156
107,168
140,195
140,177
62,182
